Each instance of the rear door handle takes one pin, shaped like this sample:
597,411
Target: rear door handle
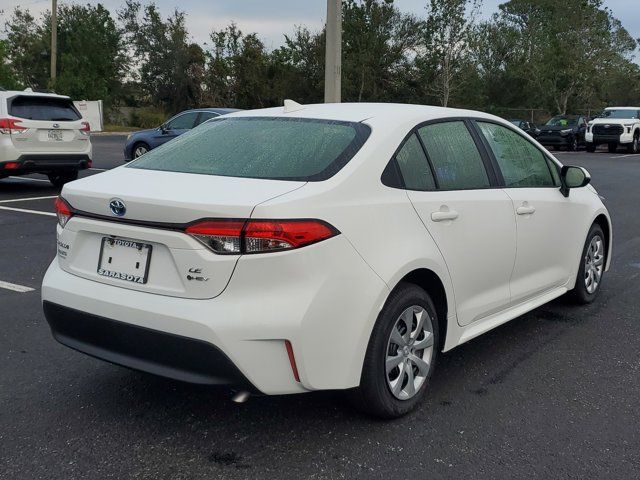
442,216
525,209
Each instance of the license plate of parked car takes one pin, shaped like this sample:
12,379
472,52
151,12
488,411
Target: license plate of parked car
55,135
124,259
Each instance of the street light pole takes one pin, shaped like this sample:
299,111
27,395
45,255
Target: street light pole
54,38
333,57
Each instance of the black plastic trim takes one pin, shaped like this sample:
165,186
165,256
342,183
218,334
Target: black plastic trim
140,348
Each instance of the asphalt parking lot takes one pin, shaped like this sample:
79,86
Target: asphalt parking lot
553,394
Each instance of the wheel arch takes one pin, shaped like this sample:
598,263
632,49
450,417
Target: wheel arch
605,224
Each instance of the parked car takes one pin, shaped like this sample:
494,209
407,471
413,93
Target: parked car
564,131
42,133
615,126
140,142
331,246
526,126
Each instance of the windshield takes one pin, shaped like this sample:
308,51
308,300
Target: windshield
44,108
562,121
261,147
621,113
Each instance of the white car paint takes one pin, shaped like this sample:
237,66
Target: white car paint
494,264
630,126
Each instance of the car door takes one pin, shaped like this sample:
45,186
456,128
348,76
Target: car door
546,221
176,126
453,191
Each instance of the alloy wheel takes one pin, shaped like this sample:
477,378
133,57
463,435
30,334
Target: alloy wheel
139,151
594,264
409,352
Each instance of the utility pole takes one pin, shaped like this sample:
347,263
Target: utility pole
54,38
333,57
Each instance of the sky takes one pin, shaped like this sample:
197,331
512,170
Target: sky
271,19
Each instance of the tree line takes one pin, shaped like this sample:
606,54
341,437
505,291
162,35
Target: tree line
554,56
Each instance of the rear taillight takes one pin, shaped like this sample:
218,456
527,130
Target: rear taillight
11,125
259,236
85,128
11,166
63,210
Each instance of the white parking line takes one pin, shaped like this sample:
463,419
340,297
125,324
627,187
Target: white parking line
24,210
15,287
32,179
99,169
27,199
623,156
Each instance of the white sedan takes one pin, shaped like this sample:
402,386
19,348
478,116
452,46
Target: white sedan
338,246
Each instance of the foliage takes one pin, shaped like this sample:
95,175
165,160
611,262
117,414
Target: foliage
533,55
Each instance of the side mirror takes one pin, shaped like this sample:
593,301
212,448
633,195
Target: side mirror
573,177
163,128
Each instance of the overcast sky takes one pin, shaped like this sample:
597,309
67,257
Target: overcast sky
273,18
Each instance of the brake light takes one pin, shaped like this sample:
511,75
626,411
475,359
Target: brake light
63,210
11,125
85,128
259,236
11,165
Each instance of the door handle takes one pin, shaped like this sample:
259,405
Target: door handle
441,216
525,209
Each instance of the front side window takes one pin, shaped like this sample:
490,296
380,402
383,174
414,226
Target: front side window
414,166
522,163
182,122
261,147
455,158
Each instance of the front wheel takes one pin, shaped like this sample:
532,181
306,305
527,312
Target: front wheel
60,178
573,145
400,356
140,149
591,270
633,146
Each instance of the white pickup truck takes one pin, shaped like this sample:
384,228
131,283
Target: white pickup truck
615,126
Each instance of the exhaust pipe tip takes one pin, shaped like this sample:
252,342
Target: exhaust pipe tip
240,397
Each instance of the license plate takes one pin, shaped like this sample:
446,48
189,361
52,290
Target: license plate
55,135
126,260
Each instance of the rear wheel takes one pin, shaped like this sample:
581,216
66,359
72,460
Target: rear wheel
58,179
613,147
401,355
591,270
140,149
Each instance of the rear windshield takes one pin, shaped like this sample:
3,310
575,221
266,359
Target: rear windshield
44,108
261,147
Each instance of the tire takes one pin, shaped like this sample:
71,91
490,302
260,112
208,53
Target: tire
613,147
139,149
60,178
573,146
590,147
633,146
374,396
595,257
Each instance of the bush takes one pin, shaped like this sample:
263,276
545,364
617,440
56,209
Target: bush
145,118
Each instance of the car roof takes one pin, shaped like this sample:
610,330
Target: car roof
30,93
371,113
622,108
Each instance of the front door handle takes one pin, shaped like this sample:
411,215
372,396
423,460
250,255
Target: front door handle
525,209
441,216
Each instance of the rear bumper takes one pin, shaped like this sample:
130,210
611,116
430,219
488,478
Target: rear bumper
140,348
44,163
323,298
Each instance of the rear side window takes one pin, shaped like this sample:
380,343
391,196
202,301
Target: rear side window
44,108
414,166
455,158
204,116
261,147
182,122
522,163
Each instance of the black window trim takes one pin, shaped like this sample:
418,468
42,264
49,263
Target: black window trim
523,135
471,128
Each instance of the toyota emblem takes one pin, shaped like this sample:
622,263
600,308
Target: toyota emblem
117,207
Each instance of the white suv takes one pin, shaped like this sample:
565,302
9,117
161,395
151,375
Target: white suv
321,247
42,133
615,126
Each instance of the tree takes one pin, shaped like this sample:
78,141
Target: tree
8,80
83,30
445,49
